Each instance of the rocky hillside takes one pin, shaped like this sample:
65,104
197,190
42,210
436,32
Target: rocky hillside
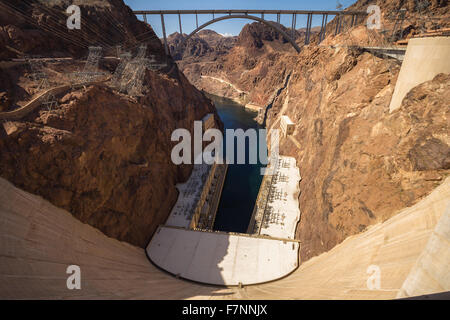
100,154
39,27
420,15
359,163
241,72
205,45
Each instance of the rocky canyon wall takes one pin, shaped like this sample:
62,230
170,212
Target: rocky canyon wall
102,155
359,163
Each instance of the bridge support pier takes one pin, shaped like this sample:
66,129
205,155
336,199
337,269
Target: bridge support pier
308,28
179,22
338,21
294,22
166,48
323,27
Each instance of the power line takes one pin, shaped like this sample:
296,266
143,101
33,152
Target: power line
43,26
78,41
54,14
54,29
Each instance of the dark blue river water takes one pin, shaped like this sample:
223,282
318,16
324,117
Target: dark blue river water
243,180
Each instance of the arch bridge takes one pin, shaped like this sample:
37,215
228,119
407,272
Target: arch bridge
258,15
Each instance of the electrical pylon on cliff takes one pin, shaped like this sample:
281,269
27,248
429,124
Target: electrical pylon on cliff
39,75
133,74
124,59
90,70
398,17
131,80
141,52
152,64
132,84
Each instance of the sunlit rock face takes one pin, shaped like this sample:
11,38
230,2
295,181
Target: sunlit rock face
100,154
359,163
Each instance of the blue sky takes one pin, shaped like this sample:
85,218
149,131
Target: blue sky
229,27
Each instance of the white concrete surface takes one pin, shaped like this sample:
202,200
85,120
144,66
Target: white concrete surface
38,241
284,205
428,274
424,59
221,259
189,194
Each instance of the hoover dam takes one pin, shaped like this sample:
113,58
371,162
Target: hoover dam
39,240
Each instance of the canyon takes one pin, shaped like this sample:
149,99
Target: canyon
97,165
359,162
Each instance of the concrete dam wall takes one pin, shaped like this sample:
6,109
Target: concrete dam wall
424,59
39,241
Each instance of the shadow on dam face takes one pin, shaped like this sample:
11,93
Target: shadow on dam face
219,258
40,241
193,256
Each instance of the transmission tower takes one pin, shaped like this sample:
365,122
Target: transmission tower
152,64
133,74
422,6
90,70
37,72
39,75
124,59
141,52
131,77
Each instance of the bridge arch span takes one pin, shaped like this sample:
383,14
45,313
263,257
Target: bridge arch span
245,16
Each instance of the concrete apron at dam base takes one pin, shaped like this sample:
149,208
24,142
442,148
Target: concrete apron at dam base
222,258
267,253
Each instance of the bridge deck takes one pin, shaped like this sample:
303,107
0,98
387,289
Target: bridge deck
330,12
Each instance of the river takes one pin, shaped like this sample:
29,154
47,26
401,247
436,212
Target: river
243,180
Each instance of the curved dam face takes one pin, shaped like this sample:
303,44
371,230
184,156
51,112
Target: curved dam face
39,241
